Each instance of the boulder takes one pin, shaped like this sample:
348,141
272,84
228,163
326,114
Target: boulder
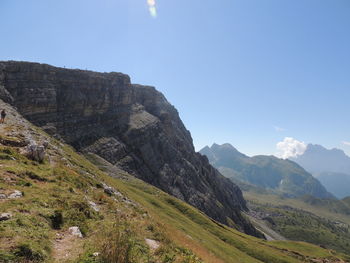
110,190
5,216
153,244
15,194
75,231
35,152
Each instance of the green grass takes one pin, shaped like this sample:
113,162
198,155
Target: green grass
292,219
56,194
324,210
227,244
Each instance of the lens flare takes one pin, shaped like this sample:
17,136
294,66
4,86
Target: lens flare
152,8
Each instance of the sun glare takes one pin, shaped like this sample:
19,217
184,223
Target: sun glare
152,8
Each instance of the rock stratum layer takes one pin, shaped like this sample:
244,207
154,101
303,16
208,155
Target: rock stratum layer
131,126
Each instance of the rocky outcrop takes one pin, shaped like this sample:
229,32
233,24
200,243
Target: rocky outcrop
131,126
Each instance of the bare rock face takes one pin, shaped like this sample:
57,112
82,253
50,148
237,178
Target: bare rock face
131,126
35,152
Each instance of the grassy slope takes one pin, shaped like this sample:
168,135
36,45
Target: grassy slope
321,210
298,220
62,186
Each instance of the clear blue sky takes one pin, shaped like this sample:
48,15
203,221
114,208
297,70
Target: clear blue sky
235,70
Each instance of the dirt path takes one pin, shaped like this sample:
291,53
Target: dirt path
66,247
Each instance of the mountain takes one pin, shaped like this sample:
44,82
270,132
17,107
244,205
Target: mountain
317,159
130,126
336,183
330,167
267,172
62,208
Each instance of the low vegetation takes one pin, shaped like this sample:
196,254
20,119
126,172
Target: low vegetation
299,219
115,218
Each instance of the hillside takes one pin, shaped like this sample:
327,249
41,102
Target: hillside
325,222
130,126
268,172
119,219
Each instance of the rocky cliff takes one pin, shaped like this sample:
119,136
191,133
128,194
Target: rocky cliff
132,127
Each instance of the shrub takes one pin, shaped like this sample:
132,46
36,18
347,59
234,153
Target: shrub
56,220
25,251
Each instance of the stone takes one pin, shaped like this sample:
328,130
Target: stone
35,152
5,216
96,254
94,206
132,127
3,196
75,231
153,244
111,191
15,194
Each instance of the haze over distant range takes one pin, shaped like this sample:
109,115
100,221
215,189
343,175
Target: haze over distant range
246,72
330,167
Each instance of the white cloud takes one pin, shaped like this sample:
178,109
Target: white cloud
290,147
346,143
279,129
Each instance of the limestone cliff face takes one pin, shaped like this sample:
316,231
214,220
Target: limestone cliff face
131,126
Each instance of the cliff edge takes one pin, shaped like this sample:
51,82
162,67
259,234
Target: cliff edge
131,126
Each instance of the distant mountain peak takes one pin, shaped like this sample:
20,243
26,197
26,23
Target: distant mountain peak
269,172
330,166
225,145
320,148
318,159
225,148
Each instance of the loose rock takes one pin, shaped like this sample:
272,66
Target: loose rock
75,231
5,216
35,152
152,244
94,206
110,190
15,194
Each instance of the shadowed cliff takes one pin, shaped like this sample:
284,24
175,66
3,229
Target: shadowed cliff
132,127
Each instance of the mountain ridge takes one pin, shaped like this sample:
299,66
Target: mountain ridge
112,216
330,166
269,172
131,126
